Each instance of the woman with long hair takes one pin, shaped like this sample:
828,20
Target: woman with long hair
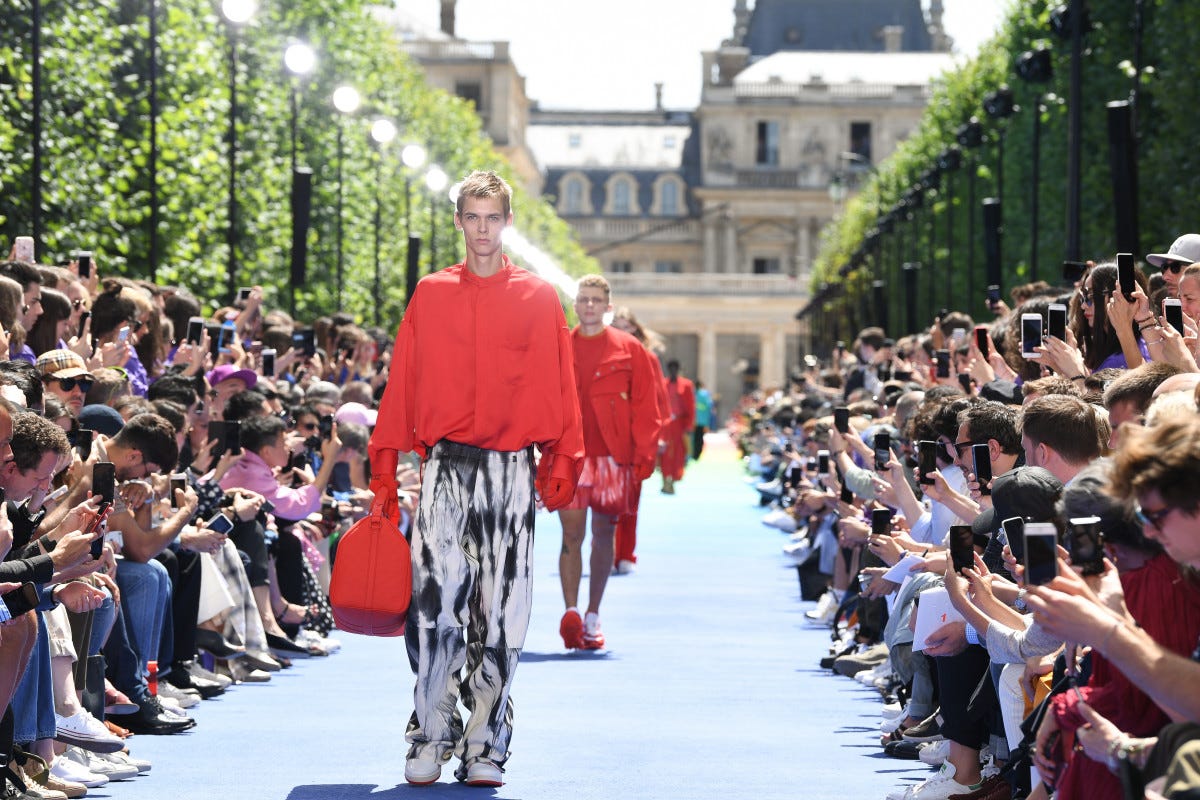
1094,321
52,329
11,300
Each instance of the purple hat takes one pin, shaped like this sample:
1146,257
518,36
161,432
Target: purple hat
357,413
227,371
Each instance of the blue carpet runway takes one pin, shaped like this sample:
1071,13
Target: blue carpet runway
709,688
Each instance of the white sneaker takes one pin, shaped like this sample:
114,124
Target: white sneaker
331,645
624,567
71,770
172,707
780,519
115,765
121,757
83,730
892,710
423,768
184,699
484,773
826,608
935,753
936,787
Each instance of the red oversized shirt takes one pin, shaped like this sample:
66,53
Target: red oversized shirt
618,395
485,362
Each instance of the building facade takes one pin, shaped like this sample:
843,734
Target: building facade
706,221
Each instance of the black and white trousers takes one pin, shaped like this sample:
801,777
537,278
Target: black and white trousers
472,554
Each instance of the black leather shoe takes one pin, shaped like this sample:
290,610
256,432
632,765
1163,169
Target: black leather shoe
153,719
181,677
216,644
908,751
283,646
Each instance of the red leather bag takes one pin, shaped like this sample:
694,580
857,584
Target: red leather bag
372,577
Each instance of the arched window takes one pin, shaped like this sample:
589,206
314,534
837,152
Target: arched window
621,199
669,198
573,196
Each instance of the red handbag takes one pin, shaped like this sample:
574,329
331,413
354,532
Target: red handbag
372,577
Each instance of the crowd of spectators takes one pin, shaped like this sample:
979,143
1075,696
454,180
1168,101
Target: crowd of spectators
174,481
1000,522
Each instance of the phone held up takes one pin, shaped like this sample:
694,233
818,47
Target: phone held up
962,547
1125,275
1031,335
981,465
1041,556
926,460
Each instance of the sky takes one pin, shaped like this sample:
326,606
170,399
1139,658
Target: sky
609,55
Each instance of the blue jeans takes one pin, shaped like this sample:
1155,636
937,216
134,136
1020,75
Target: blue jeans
145,606
33,702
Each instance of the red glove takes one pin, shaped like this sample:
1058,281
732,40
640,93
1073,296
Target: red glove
644,470
556,493
384,486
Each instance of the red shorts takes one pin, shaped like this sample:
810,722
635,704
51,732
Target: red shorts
604,486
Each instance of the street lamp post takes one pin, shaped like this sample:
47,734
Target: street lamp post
413,156
383,132
299,59
236,13
346,100
435,181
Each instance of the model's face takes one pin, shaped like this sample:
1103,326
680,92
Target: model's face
482,221
591,304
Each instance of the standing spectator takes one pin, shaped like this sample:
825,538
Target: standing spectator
481,373
704,419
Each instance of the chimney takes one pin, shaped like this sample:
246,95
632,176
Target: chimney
658,87
893,37
448,17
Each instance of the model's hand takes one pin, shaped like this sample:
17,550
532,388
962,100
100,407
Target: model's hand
556,493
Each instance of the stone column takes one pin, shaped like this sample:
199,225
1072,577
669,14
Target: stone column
707,371
803,249
710,245
772,372
730,262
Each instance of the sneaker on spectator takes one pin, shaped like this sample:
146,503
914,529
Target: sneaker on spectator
99,764
68,769
120,766
905,751
937,787
83,730
994,788
881,670
570,627
141,764
935,753
624,567
593,639
69,789
826,609
780,519
36,791
173,707
185,698
927,730
867,657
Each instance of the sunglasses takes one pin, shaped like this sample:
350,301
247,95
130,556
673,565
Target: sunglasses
958,446
77,304
1174,267
1088,297
69,384
1152,519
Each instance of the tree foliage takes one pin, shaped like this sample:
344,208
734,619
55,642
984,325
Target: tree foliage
1167,87
96,147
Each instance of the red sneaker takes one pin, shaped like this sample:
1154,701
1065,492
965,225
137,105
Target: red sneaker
571,630
593,638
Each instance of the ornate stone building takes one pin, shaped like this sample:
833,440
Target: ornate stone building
706,221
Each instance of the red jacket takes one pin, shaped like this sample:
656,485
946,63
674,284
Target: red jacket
623,398
485,362
682,395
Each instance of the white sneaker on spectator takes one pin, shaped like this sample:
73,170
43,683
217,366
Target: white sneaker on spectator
935,753
172,707
184,699
825,611
935,787
771,488
780,519
101,764
84,730
71,770
892,710
119,765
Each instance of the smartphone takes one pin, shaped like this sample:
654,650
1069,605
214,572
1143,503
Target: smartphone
195,329
1031,335
267,507
1041,557
846,496
993,295
298,461
214,339
883,451
104,481
23,249
97,548
926,461
981,465
268,362
841,419
942,358
83,442
964,380
822,462
243,295
1085,543
1014,533
83,318
1125,278
981,340
123,334
84,259
1073,271
227,434
178,484
220,523
1056,321
325,427
881,521
810,464
305,341
962,547
1173,311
